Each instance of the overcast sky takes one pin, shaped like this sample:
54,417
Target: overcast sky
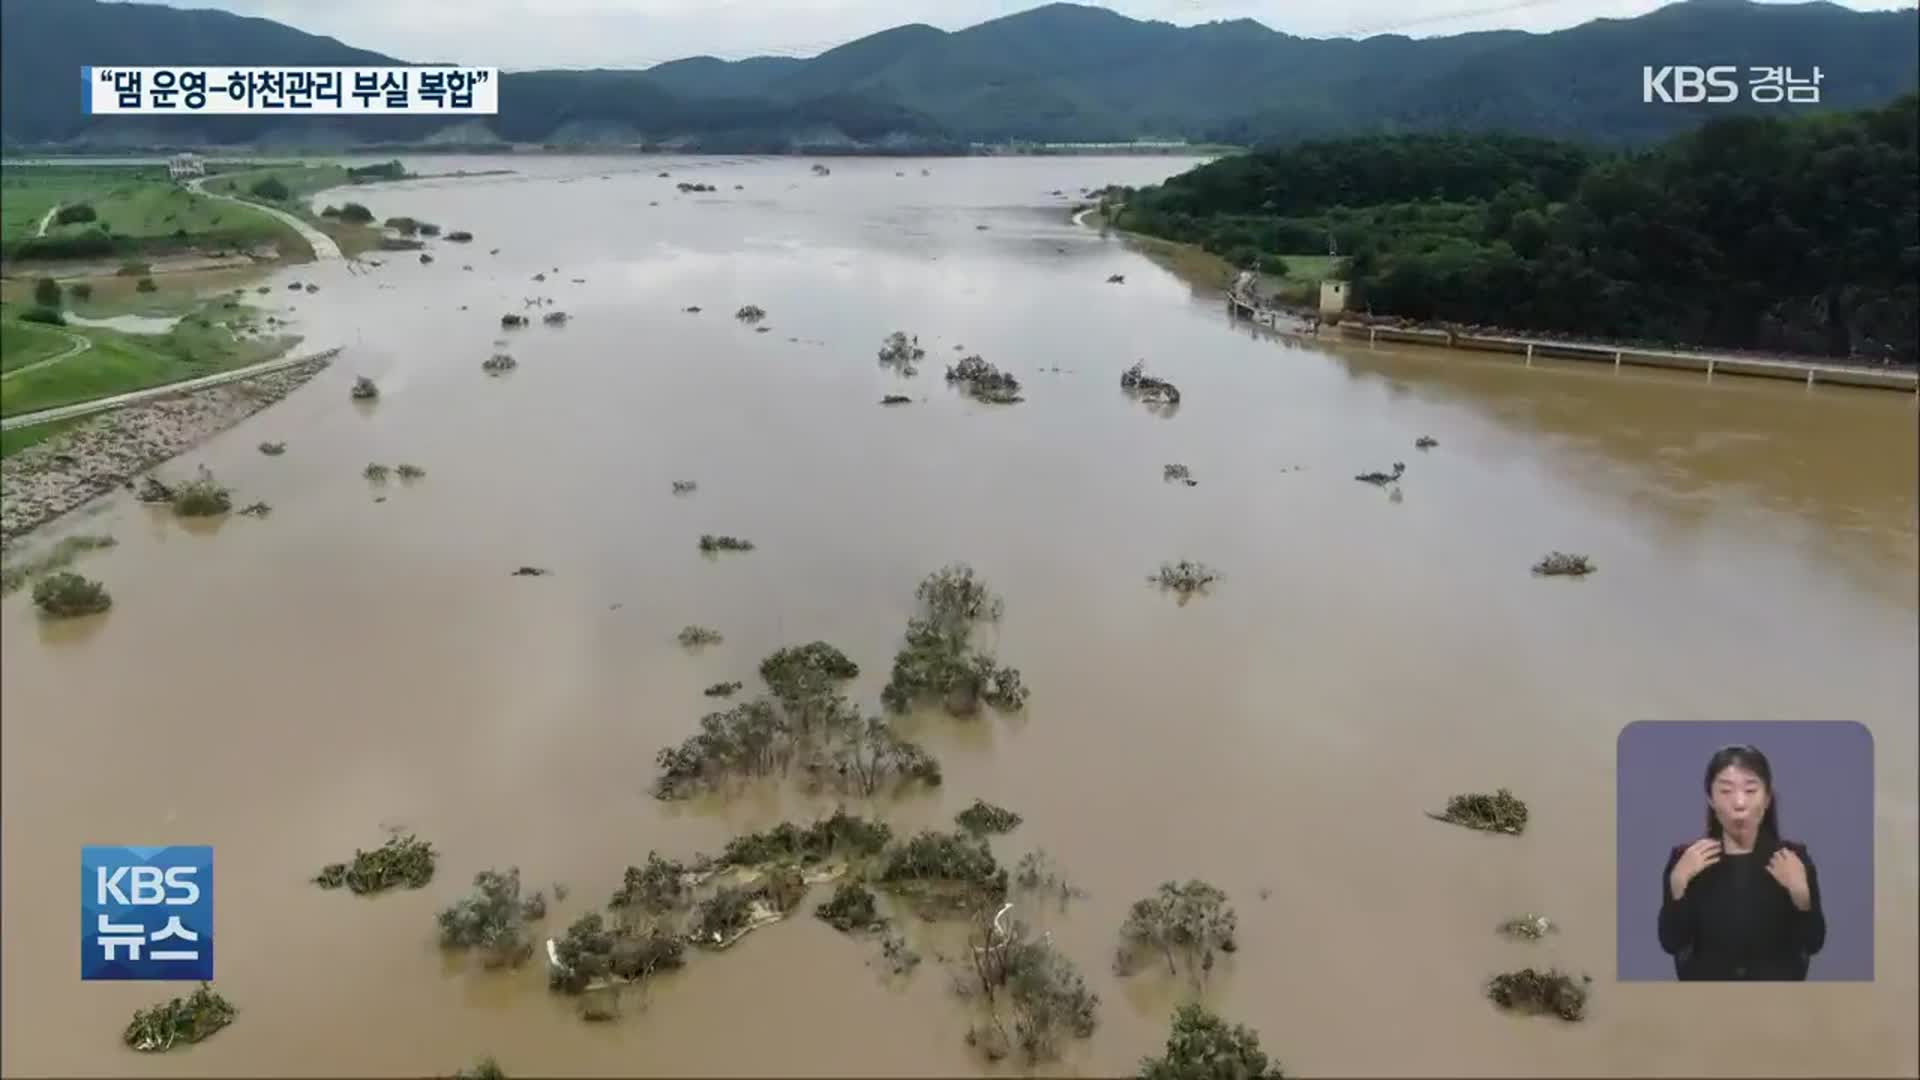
521,34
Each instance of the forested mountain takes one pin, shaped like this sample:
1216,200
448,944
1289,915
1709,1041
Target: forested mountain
1060,72
1797,234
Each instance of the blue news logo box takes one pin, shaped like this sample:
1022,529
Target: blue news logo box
146,913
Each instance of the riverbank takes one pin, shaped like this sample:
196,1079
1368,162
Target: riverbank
62,473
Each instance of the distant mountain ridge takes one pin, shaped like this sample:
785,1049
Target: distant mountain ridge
1057,73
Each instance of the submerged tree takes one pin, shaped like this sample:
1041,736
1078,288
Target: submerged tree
899,353
402,860
984,817
944,871
851,909
840,835
1188,921
179,1021
1561,564
695,636
984,382
871,755
1146,388
493,919
1030,982
1500,812
750,313
1202,1046
938,663
1537,992
202,497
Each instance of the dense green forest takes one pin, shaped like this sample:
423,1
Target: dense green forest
1798,235
1057,72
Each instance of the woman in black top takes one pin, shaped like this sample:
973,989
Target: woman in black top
1741,903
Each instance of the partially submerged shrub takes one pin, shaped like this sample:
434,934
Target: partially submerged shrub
554,318
1561,564
1185,577
984,382
1381,479
685,487
899,353
1171,473
722,918
256,509
947,870
402,860
1146,388
1189,921
1032,982
591,953
484,1069
460,236
364,389
60,555
796,673
511,320
984,817
851,909
493,919
1425,442
1528,927
938,663
409,472
145,284
376,472
179,1022
201,497
273,449
1202,1046
871,755
1499,812
1534,992
750,313
840,835
896,399
692,636
656,888
750,739
497,363
723,689
711,543
66,594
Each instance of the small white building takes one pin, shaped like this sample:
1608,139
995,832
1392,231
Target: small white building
185,166
1333,297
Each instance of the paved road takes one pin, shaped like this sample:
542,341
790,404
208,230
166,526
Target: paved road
88,408
323,246
80,344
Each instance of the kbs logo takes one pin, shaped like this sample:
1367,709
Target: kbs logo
146,913
1688,85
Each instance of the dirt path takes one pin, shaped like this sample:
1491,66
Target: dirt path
80,344
47,220
323,246
88,408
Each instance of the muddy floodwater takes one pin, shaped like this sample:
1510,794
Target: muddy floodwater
285,688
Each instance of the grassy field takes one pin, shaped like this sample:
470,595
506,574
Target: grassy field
27,343
20,438
301,181
27,192
149,210
201,344
136,206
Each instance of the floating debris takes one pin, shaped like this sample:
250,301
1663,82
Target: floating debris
1561,564
693,636
402,860
1146,388
984,382
540,276
554,318
1185,577
498,363
984,817
462,236
896,399
532,571
364,389
65,594
1499,812
692,309
273,449
685,487
256,509
1425,442
711,543
1116,279
750,313
425,258
1528,927
1537,993
375,472
511,321
179,1022
899,353
1382,479
719,689
687,188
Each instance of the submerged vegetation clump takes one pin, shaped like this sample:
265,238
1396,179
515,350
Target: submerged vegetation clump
723,689
851,910
750,313
273,449
944,871
60,555
402,860
984,382
1425,442
1202,1046
179,1021
896,399
591,953
493,919
710,543
66,594
1033,984
656,888
1499,812
375,472
1179,922
1037,873
1537,993
685,487
899,352
840,835
511,321
938,662
1185,577
201,497
498,363
1146,388
1528,927
1382,479
1561,564
409,472
364,389
693,636
1181,473
984,817
256,509
484,1069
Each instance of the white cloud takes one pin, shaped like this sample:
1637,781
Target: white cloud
637,33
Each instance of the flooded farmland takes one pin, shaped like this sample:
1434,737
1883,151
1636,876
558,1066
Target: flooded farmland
284,689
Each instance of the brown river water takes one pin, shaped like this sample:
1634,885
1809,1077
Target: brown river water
285,688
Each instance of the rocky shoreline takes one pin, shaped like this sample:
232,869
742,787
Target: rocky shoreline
51,478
